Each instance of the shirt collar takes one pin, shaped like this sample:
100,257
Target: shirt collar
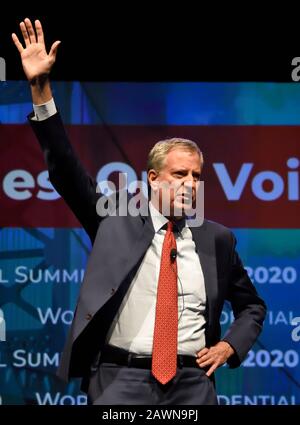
160,220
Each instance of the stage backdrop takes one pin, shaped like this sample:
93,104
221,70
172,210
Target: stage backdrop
250,136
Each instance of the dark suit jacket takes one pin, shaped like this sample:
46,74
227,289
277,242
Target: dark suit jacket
119,244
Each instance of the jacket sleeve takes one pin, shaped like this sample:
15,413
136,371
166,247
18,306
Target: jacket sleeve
66,173
248,308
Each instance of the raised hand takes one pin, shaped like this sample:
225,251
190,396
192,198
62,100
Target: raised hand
36,61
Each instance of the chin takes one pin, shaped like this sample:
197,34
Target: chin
183,209
179,209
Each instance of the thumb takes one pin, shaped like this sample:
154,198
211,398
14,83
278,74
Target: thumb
53,49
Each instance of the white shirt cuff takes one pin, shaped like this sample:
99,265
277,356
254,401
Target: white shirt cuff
44,110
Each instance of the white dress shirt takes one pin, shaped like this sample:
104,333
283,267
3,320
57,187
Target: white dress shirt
44,110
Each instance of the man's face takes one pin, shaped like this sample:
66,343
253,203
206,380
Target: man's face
176,183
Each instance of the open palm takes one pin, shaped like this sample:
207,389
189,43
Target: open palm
35,60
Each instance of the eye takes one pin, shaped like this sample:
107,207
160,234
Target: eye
179,173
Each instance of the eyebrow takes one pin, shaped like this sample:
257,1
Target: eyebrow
179,170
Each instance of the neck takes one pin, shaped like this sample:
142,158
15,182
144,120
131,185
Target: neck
170,217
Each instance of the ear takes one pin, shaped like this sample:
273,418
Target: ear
153,179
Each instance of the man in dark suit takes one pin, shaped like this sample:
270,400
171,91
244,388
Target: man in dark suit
146,327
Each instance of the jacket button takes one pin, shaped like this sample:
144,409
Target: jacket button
88,316
112,291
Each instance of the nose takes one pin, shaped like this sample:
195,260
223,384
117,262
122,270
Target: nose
188,178
188,186
189,181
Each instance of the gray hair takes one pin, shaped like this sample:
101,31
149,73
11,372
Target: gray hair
160,150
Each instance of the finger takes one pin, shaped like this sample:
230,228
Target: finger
203,358
39,31
203,351
206,363
53,49
25,34
17,43
30,30
211,370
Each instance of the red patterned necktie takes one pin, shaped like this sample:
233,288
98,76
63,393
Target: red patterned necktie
164,354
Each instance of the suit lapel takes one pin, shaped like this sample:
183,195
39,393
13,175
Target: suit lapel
144,235
140,247
205,245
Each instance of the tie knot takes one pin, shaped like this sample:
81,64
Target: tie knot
174,227
170,226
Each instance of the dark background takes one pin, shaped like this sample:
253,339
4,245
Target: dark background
126,43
